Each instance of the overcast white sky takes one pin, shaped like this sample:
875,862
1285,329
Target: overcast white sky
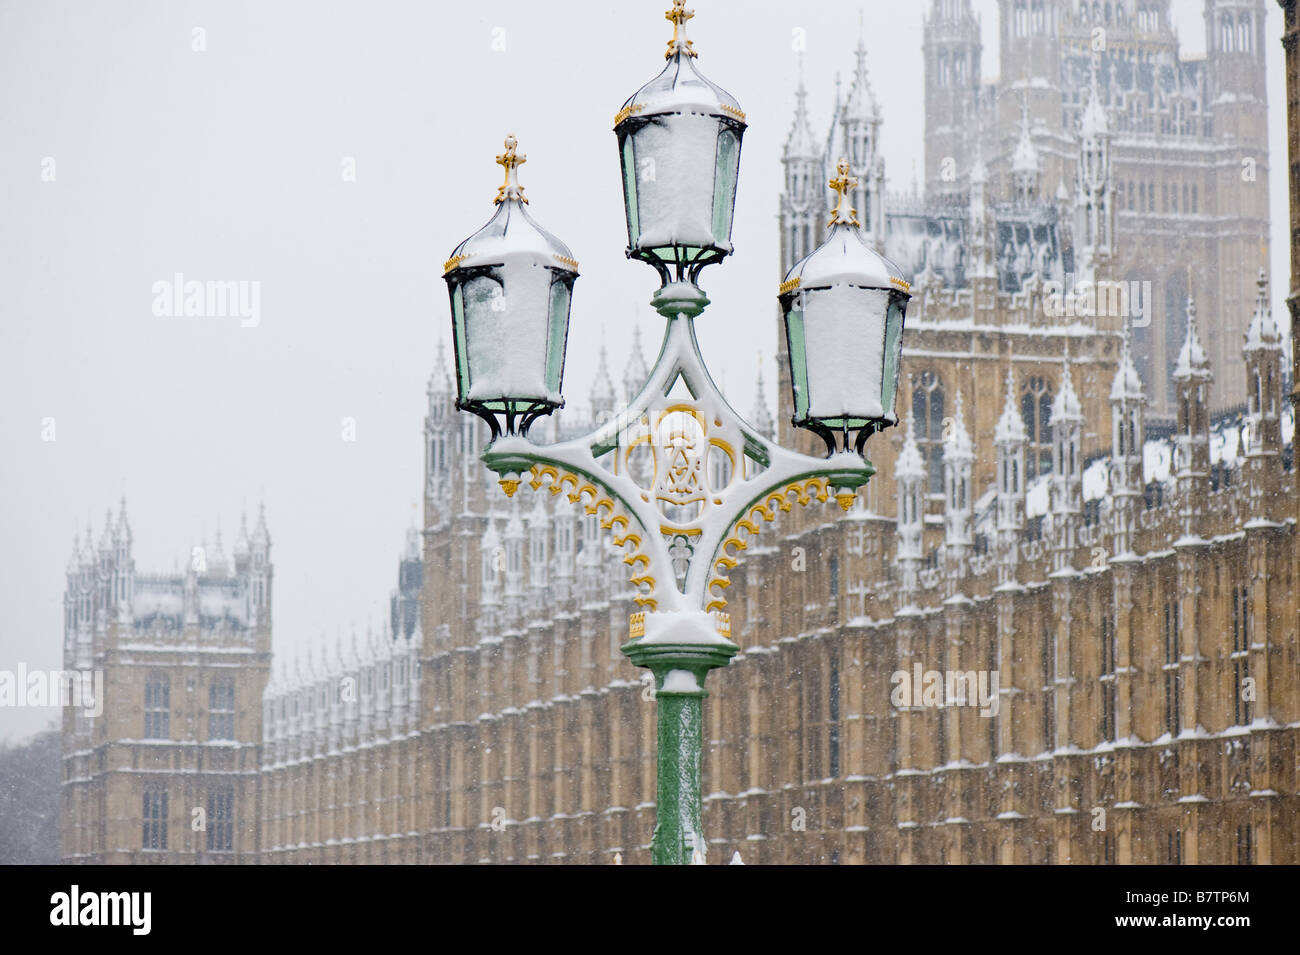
226,165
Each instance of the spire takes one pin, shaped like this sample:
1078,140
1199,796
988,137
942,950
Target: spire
1262,333
760,417
75,560
801,144
861,105
1191,357
1093,123
1127,384
241,541
1066,405
909,463
106,538
636,371
602,389
217,559
1025,158
261,537
123,531
1010,428
957,443
510,161
440,377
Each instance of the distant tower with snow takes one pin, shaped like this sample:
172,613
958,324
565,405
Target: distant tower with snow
959,506
1192,379
1127,439
1067,470
1009,438
909,475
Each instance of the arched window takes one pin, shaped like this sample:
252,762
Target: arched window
1225,33
1036,410
944,76
1040,24
1021,19
1244,44
927,419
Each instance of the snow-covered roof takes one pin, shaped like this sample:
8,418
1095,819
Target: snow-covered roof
1157,459
1096,479
681,87
511,235
845,258
1038,496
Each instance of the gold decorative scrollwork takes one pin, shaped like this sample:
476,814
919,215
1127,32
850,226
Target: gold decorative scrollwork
747,528
608,514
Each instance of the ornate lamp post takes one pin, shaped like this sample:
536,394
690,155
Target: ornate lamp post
679,479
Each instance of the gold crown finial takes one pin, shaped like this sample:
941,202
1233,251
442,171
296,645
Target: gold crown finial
679,15
511,161
843,184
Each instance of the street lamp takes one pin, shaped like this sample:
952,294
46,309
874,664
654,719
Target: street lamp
843,306
679,141
709,480
510,283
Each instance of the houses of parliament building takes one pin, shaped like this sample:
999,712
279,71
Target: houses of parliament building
1090,496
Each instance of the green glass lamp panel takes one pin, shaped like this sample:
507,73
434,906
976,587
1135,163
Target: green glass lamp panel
462,343
798,361
893,353
485,344
630,192
557,334
724,185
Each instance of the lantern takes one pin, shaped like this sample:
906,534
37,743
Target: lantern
679,142
510,285
843,307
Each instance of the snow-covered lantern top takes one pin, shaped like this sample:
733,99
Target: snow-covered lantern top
511,283
843,307
679,140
